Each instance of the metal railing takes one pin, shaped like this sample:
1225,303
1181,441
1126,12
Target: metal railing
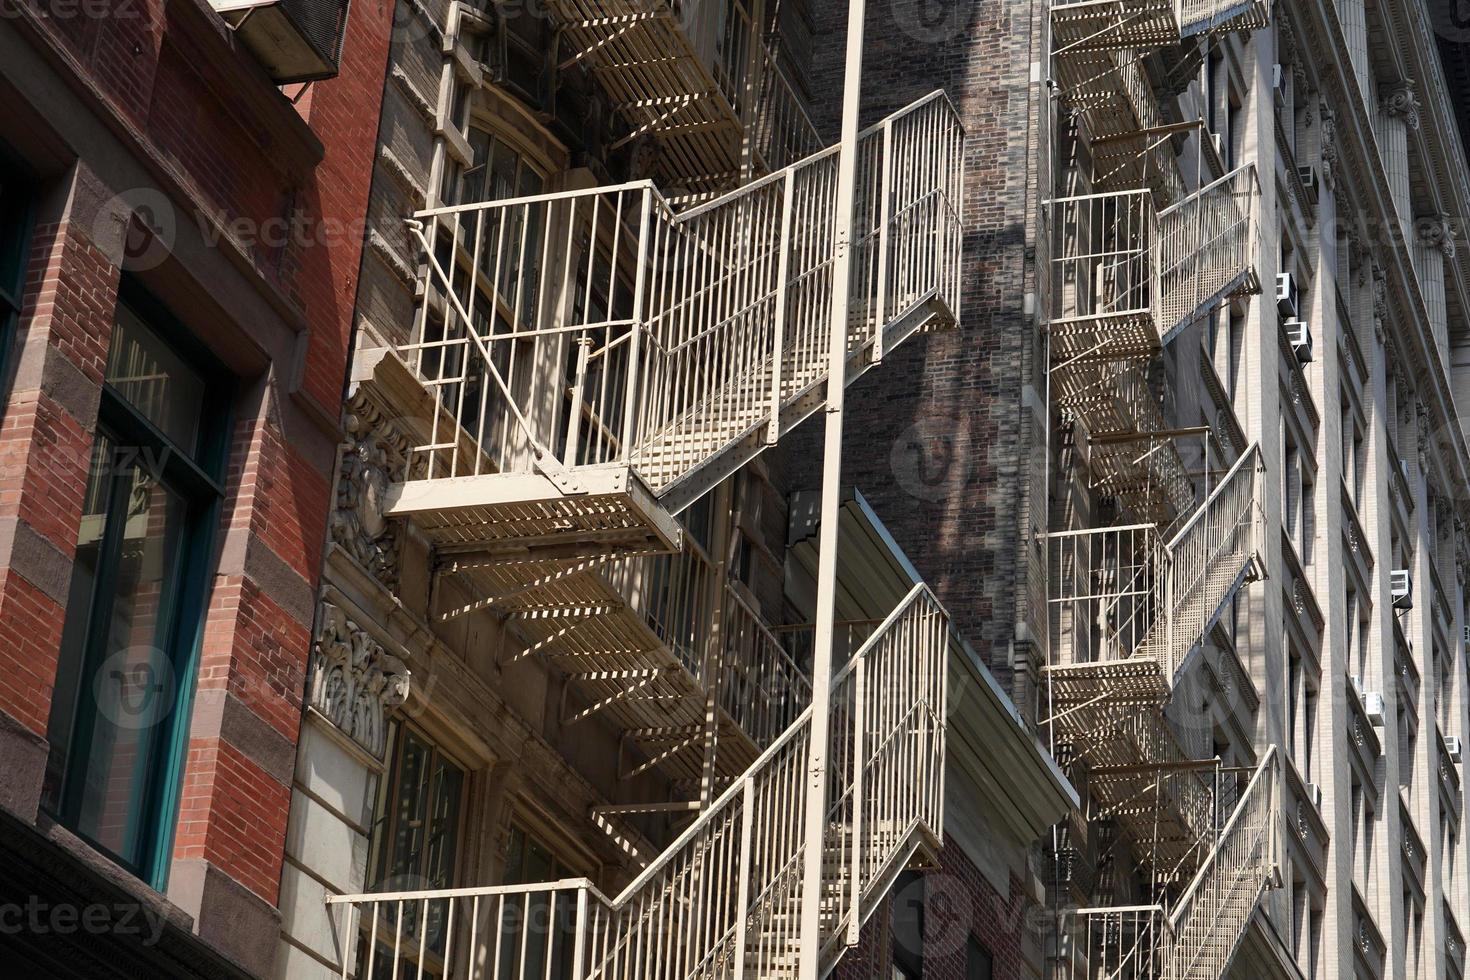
723,900
1104,25
1209,921
1117,943
1105,275
1107,593
1209,556
1120,592
680,597
599,326
1207,245
1125,276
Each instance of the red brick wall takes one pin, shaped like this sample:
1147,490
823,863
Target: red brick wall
159,76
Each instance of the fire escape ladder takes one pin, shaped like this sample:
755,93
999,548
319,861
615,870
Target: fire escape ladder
593,362
724,899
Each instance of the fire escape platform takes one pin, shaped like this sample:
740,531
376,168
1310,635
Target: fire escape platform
1133,334
1107,25
591,510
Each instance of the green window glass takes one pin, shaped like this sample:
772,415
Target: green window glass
119,716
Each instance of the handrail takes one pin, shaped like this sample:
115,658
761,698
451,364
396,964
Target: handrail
1252,451
700,325
735,869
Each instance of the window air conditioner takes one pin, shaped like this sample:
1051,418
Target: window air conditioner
1402,589
294,40
1278,84
1287,298
1373,701
1314,793
1308,177
1455,749
1299,336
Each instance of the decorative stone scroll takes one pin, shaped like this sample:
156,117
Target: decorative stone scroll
355,683
1400,102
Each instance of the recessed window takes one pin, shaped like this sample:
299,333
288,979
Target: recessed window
415,847
15,197
119,715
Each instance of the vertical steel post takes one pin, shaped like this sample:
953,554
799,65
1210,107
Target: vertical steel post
818,761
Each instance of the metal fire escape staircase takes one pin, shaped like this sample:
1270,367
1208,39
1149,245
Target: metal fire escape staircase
723,901
1196,938
1126,279
696,79
1133,611
596,362
586,364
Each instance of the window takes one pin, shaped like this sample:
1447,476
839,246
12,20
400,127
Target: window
15,195
531,861
979,964
415,843
416,823
119,715
906,922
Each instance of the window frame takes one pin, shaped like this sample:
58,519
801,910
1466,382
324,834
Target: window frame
196,476
17,217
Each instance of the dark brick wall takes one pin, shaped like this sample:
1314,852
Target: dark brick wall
940,437
960,904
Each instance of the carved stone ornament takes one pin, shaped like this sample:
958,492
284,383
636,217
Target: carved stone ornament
1301,820
355,683
1400,102
1329,148
373,458
1380,300
1437,232
1299,598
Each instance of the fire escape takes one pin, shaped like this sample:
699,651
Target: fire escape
1131,265
588,365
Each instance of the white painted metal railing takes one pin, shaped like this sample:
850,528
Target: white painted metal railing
1112,943
681,597
1198,937
1126,277
1120,592
723,900
1210,556
599,326
1093,25
1207,246
1209,921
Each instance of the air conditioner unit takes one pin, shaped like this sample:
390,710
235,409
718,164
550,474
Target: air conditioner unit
1308,177
1299,336
1373,701
294,40
1219,141
1314,793
1455,749
1288,299
1401,587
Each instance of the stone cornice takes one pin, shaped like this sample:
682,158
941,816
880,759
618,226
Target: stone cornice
1320,32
